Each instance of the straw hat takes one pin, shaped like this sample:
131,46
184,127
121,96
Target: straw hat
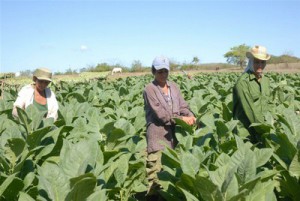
258,52
42,74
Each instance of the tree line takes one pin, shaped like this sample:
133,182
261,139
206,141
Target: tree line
236,56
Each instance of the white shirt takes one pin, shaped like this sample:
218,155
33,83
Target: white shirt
26,96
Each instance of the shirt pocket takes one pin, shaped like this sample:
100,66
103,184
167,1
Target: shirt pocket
255,96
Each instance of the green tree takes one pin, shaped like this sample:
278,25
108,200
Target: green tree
70,71
285,58
237,55
26,73
102,67
195,60
136,66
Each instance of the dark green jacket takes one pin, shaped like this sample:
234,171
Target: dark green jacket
251,100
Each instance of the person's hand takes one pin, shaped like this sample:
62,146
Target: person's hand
189,120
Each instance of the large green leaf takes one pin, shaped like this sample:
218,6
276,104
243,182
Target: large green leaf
226,113
81,187
24,119
184,126
290,123
208,190
14,149
114,138
223,176
172,193
25,197
286,149
262,191
10,188
294,168
188,195
232,189
99,194
52,142
4,164
208,120
109,171
189,164
76,158
170,158
34,139
262,127
187,182
77,96
121,171
36,117
245,160
262,156
126,126
53,182
222,129
222,160
28,180
289,186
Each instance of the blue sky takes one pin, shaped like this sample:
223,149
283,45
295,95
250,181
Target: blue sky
77,34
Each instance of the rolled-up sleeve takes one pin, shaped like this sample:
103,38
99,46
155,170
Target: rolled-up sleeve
24,95
52,106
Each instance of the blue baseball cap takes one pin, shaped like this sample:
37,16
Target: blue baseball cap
161,62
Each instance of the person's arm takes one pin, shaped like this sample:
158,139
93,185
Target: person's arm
186,114
14,111
155,107
184,110
20,101
53,106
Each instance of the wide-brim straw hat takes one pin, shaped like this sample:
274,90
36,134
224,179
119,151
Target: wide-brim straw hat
42,74
258,52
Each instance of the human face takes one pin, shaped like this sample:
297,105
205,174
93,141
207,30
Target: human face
41,85
258,67
161,76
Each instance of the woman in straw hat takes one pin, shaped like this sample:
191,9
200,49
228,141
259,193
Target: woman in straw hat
38,94
251,92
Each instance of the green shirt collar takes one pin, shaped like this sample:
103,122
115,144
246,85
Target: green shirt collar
252,76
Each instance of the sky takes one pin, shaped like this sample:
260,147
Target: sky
76,34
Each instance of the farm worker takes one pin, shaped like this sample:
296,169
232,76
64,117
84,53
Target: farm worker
162,102
252,91
38,94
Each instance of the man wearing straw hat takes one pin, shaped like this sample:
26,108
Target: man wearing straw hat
252,91
38,94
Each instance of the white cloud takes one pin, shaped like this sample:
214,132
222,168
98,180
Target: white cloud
83,48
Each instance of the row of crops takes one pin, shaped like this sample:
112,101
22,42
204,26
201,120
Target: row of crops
96,149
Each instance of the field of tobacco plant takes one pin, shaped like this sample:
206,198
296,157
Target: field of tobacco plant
96,149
